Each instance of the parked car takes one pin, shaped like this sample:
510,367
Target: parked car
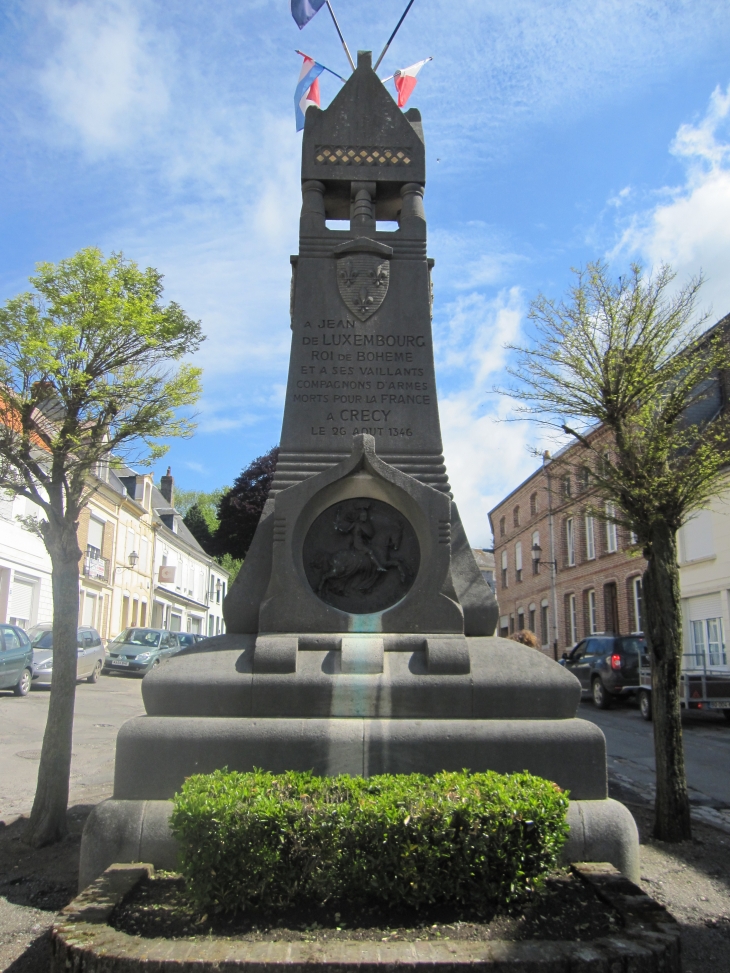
187,639
138,650
607,666
16,660
89,660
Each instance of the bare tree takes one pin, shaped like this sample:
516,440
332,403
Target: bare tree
622,366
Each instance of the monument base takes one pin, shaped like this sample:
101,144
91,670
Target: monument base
134,831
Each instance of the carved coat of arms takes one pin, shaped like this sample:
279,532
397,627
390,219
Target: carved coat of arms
363,280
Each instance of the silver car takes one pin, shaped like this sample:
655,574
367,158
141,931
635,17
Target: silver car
90,660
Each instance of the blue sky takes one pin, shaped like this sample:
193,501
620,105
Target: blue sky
555,132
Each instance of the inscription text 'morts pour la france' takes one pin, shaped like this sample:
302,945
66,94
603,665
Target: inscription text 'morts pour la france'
360,379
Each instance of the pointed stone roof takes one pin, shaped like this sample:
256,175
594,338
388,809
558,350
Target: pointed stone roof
363,135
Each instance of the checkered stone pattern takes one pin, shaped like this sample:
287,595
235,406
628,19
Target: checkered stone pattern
358,155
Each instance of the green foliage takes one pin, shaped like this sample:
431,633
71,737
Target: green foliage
200,512
85,374
197,523
264,841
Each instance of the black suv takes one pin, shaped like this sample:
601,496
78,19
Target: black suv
607,666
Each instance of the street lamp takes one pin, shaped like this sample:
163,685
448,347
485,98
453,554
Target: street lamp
537,557
133,558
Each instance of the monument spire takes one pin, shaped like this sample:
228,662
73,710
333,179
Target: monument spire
362,349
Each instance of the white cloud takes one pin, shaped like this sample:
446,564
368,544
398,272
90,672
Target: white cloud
690,227
104,77
485,454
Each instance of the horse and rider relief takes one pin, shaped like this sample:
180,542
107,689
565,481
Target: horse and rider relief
361,555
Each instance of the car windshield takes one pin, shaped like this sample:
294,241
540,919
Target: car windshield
139,636
42,639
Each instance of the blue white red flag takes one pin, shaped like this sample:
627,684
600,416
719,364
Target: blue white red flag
307,92
303,10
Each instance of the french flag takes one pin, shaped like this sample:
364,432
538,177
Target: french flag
307,92
405,81
303,10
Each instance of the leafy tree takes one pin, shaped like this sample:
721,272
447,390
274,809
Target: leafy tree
197,523
622,368
239,509
85,377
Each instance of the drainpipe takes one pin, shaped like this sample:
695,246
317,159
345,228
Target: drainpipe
546,460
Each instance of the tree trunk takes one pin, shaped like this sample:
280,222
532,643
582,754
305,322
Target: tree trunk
48,817
664,635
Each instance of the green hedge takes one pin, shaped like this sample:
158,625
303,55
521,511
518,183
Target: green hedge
270,841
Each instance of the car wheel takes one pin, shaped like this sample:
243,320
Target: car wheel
22,686
94,677
645,704
601,698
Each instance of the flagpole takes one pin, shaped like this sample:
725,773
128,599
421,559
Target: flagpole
344,80
397,28
337,26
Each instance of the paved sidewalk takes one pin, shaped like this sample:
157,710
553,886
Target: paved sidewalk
100,711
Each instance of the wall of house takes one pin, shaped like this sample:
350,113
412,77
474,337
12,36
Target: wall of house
595,587
26,597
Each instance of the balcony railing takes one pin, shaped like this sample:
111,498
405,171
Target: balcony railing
96,568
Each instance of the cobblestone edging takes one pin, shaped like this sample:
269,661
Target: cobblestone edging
84,943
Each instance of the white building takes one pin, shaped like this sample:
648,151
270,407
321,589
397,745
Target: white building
704,568
188,585
25,568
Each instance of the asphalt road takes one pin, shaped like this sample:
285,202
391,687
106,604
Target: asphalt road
100,711
630,749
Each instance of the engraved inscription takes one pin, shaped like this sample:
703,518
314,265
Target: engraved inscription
361,556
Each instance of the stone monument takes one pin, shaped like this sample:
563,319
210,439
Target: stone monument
360,632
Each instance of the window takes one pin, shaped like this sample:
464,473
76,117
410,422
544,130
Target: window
708,642
570,541
633,539
503,626
638,613
95,537
6,505
520,619
696,537
582,479
531,616
131,544
512,625
504,569
590,538
611,530
533,504
518,561
592,617
211,623
516,517
143,613
501,526
610,608
535,554
544,633
144,553
566,486
572,621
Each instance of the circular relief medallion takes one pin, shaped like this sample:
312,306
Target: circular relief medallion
361,556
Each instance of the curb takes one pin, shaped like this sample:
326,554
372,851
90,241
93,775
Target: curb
84,943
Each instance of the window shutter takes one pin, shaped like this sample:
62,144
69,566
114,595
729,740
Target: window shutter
706,606
21,601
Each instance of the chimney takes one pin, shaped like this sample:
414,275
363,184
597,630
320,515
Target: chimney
546,458
167,487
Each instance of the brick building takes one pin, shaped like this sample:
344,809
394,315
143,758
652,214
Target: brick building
561,571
